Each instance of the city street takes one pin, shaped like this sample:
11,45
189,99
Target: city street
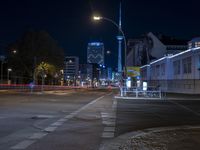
85,75
83,119
54,120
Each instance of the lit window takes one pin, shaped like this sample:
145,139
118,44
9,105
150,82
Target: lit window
197,44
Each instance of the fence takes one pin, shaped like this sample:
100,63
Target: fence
151,92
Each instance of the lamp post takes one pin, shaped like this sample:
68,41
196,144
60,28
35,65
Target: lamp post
98,18
9,70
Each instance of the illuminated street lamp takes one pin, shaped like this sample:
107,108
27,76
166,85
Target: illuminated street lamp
9,70
108,52
14,51
98,18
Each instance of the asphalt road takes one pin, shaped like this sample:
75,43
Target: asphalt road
62,120
83,119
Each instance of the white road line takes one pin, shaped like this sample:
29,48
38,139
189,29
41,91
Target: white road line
50,129
23,145
186,108
108,135
57,123
109,120
108,115
109,123
68,116
109,129
38,135
44,116
74,113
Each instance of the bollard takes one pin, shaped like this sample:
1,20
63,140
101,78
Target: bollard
121,92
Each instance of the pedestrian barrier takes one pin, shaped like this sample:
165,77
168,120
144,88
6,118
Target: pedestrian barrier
151,92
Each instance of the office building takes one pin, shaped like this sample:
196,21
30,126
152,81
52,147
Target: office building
95,53
71,68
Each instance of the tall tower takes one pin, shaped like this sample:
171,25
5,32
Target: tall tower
120,38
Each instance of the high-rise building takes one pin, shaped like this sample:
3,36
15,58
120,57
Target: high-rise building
71,67
95,53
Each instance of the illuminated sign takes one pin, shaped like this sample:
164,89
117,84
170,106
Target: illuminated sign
133,71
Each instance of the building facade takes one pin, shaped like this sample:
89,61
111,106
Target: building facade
89,73
178,73
71,69
95,53
150,47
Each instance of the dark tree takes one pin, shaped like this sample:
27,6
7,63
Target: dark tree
28,52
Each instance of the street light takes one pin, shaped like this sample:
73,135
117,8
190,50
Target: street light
9,70
97,18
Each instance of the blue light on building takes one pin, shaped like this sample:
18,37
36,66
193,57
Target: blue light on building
95,53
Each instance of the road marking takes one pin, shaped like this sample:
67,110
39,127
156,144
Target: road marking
68,116
108,135
109,129
108,115
57,123
186,108
94,101
23,145
74,113
50,129
109,123
109,120
38,135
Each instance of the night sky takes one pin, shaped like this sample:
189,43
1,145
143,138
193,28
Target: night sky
70,23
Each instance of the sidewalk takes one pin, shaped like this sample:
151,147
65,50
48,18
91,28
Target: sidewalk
161,138
166,138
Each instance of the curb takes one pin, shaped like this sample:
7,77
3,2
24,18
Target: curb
115,143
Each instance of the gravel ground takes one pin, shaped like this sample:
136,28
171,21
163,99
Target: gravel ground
183,139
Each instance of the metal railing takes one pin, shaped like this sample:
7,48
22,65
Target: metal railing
151,92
